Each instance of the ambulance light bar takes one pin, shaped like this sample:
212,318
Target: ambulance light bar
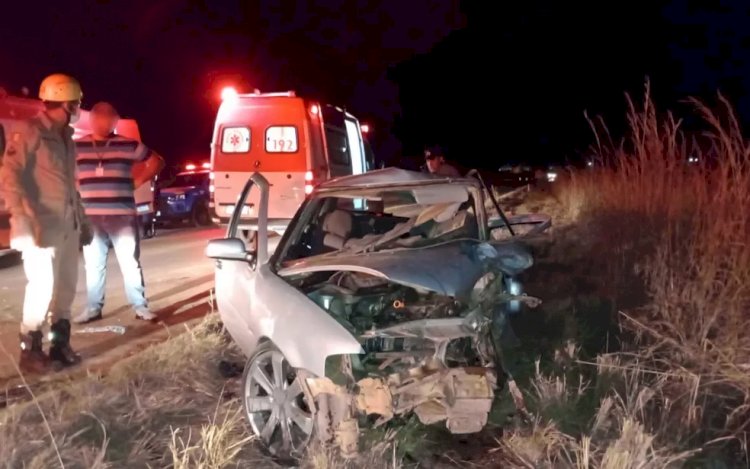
192,167
283,94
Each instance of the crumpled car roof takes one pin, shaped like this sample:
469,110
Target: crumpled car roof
385,177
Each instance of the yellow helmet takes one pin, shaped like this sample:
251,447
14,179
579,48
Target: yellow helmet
60,88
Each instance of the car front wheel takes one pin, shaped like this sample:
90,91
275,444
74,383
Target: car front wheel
275,404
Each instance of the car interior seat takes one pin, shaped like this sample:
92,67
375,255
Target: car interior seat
337,227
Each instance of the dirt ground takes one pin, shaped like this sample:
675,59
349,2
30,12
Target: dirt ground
179,293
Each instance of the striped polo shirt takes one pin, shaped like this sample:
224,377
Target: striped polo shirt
105,177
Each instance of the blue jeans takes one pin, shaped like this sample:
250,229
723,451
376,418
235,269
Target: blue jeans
123,232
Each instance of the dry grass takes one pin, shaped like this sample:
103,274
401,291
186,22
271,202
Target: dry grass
627,429
137,415
677,238
168,406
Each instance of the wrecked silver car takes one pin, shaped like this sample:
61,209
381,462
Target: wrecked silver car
385,296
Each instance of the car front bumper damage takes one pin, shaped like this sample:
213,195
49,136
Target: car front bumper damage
462,397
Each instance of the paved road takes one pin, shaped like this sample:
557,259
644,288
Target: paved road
171,258
178,277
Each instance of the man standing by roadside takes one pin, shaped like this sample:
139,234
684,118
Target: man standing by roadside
107,183
38,183
436,164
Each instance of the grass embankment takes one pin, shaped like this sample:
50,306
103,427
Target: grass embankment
650,283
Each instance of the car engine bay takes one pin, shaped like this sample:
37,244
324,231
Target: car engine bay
423,352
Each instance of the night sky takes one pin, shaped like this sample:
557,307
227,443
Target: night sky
490,81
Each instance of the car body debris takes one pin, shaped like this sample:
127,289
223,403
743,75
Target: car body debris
120,330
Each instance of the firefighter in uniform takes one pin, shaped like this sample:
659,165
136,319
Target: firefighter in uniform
38,183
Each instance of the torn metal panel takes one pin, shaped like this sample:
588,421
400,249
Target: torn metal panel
374,397
438,330
462,397
334,421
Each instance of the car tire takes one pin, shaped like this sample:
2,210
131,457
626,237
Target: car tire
275,404
200,216
149,230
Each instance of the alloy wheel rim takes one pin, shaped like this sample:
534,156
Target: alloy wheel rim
275,404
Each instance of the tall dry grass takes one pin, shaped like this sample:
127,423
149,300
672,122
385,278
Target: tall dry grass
681,232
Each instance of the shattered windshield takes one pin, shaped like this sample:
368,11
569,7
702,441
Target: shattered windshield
377,219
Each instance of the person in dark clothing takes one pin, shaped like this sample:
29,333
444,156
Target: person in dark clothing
436,164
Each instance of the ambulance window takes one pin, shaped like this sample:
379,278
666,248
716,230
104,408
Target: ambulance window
235,140
338,147
281,139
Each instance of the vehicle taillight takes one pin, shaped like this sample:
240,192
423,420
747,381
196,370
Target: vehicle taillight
314,109
211,188
309,182
206,165
211,175
190,167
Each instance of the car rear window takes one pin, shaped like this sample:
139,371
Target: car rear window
282,139
190,179
235,140
338,146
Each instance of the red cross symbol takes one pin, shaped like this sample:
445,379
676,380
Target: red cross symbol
234,140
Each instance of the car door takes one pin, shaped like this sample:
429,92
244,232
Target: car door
236,279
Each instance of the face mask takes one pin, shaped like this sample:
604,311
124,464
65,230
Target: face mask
76,116
74,111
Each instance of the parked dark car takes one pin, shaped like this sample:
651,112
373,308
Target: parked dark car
185,198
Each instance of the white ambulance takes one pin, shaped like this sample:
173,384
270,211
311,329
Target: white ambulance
294,142
144,195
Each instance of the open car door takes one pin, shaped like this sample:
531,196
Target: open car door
238,257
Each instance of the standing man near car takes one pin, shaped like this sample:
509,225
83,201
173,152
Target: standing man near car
436,164
38,183
107,183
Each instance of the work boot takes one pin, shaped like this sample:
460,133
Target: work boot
33,359
60,352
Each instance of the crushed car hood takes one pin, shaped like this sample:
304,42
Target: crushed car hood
450,269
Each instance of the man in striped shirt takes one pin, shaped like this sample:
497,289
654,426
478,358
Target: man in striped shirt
107,185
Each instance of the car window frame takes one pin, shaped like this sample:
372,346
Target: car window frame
476,194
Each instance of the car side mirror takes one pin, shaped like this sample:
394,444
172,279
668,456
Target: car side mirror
228,249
